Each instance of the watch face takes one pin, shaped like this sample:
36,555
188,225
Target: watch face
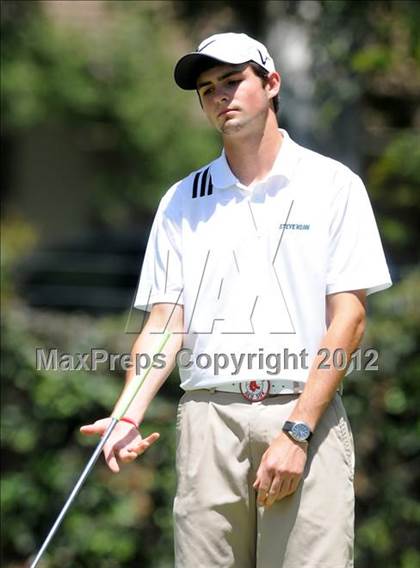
300,431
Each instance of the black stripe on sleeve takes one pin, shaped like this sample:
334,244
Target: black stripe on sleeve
210,188
203,183
195,185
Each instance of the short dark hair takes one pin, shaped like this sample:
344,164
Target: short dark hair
258,70
263,74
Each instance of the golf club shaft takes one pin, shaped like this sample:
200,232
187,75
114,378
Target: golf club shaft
76,490
122,406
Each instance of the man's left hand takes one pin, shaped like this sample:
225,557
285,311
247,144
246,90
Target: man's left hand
280,470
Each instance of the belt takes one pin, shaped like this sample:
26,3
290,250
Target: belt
255,391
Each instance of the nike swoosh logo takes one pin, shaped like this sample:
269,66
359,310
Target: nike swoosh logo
207,44
263,59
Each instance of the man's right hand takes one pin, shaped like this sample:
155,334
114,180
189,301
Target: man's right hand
125,442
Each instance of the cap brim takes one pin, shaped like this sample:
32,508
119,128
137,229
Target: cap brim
189,68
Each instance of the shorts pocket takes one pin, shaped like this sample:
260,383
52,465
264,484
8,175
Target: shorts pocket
179,435
179,412
344,433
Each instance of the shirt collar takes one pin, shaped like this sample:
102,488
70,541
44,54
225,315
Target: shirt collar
284,165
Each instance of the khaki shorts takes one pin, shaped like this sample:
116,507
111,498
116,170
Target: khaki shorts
220,441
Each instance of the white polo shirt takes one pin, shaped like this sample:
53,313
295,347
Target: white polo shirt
252,265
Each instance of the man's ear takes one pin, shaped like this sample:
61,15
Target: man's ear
273,82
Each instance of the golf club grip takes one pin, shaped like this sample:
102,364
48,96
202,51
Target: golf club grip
135,384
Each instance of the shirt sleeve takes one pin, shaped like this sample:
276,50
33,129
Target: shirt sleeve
161,274
356,258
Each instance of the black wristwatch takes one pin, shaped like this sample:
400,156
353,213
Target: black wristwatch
299,431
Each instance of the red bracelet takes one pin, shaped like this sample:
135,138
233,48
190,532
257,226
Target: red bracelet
129,420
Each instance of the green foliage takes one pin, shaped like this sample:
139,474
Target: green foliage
372,66
114,84
394,180
114,518
17,238
383,409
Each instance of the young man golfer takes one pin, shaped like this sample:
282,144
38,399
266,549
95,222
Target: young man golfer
259,264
